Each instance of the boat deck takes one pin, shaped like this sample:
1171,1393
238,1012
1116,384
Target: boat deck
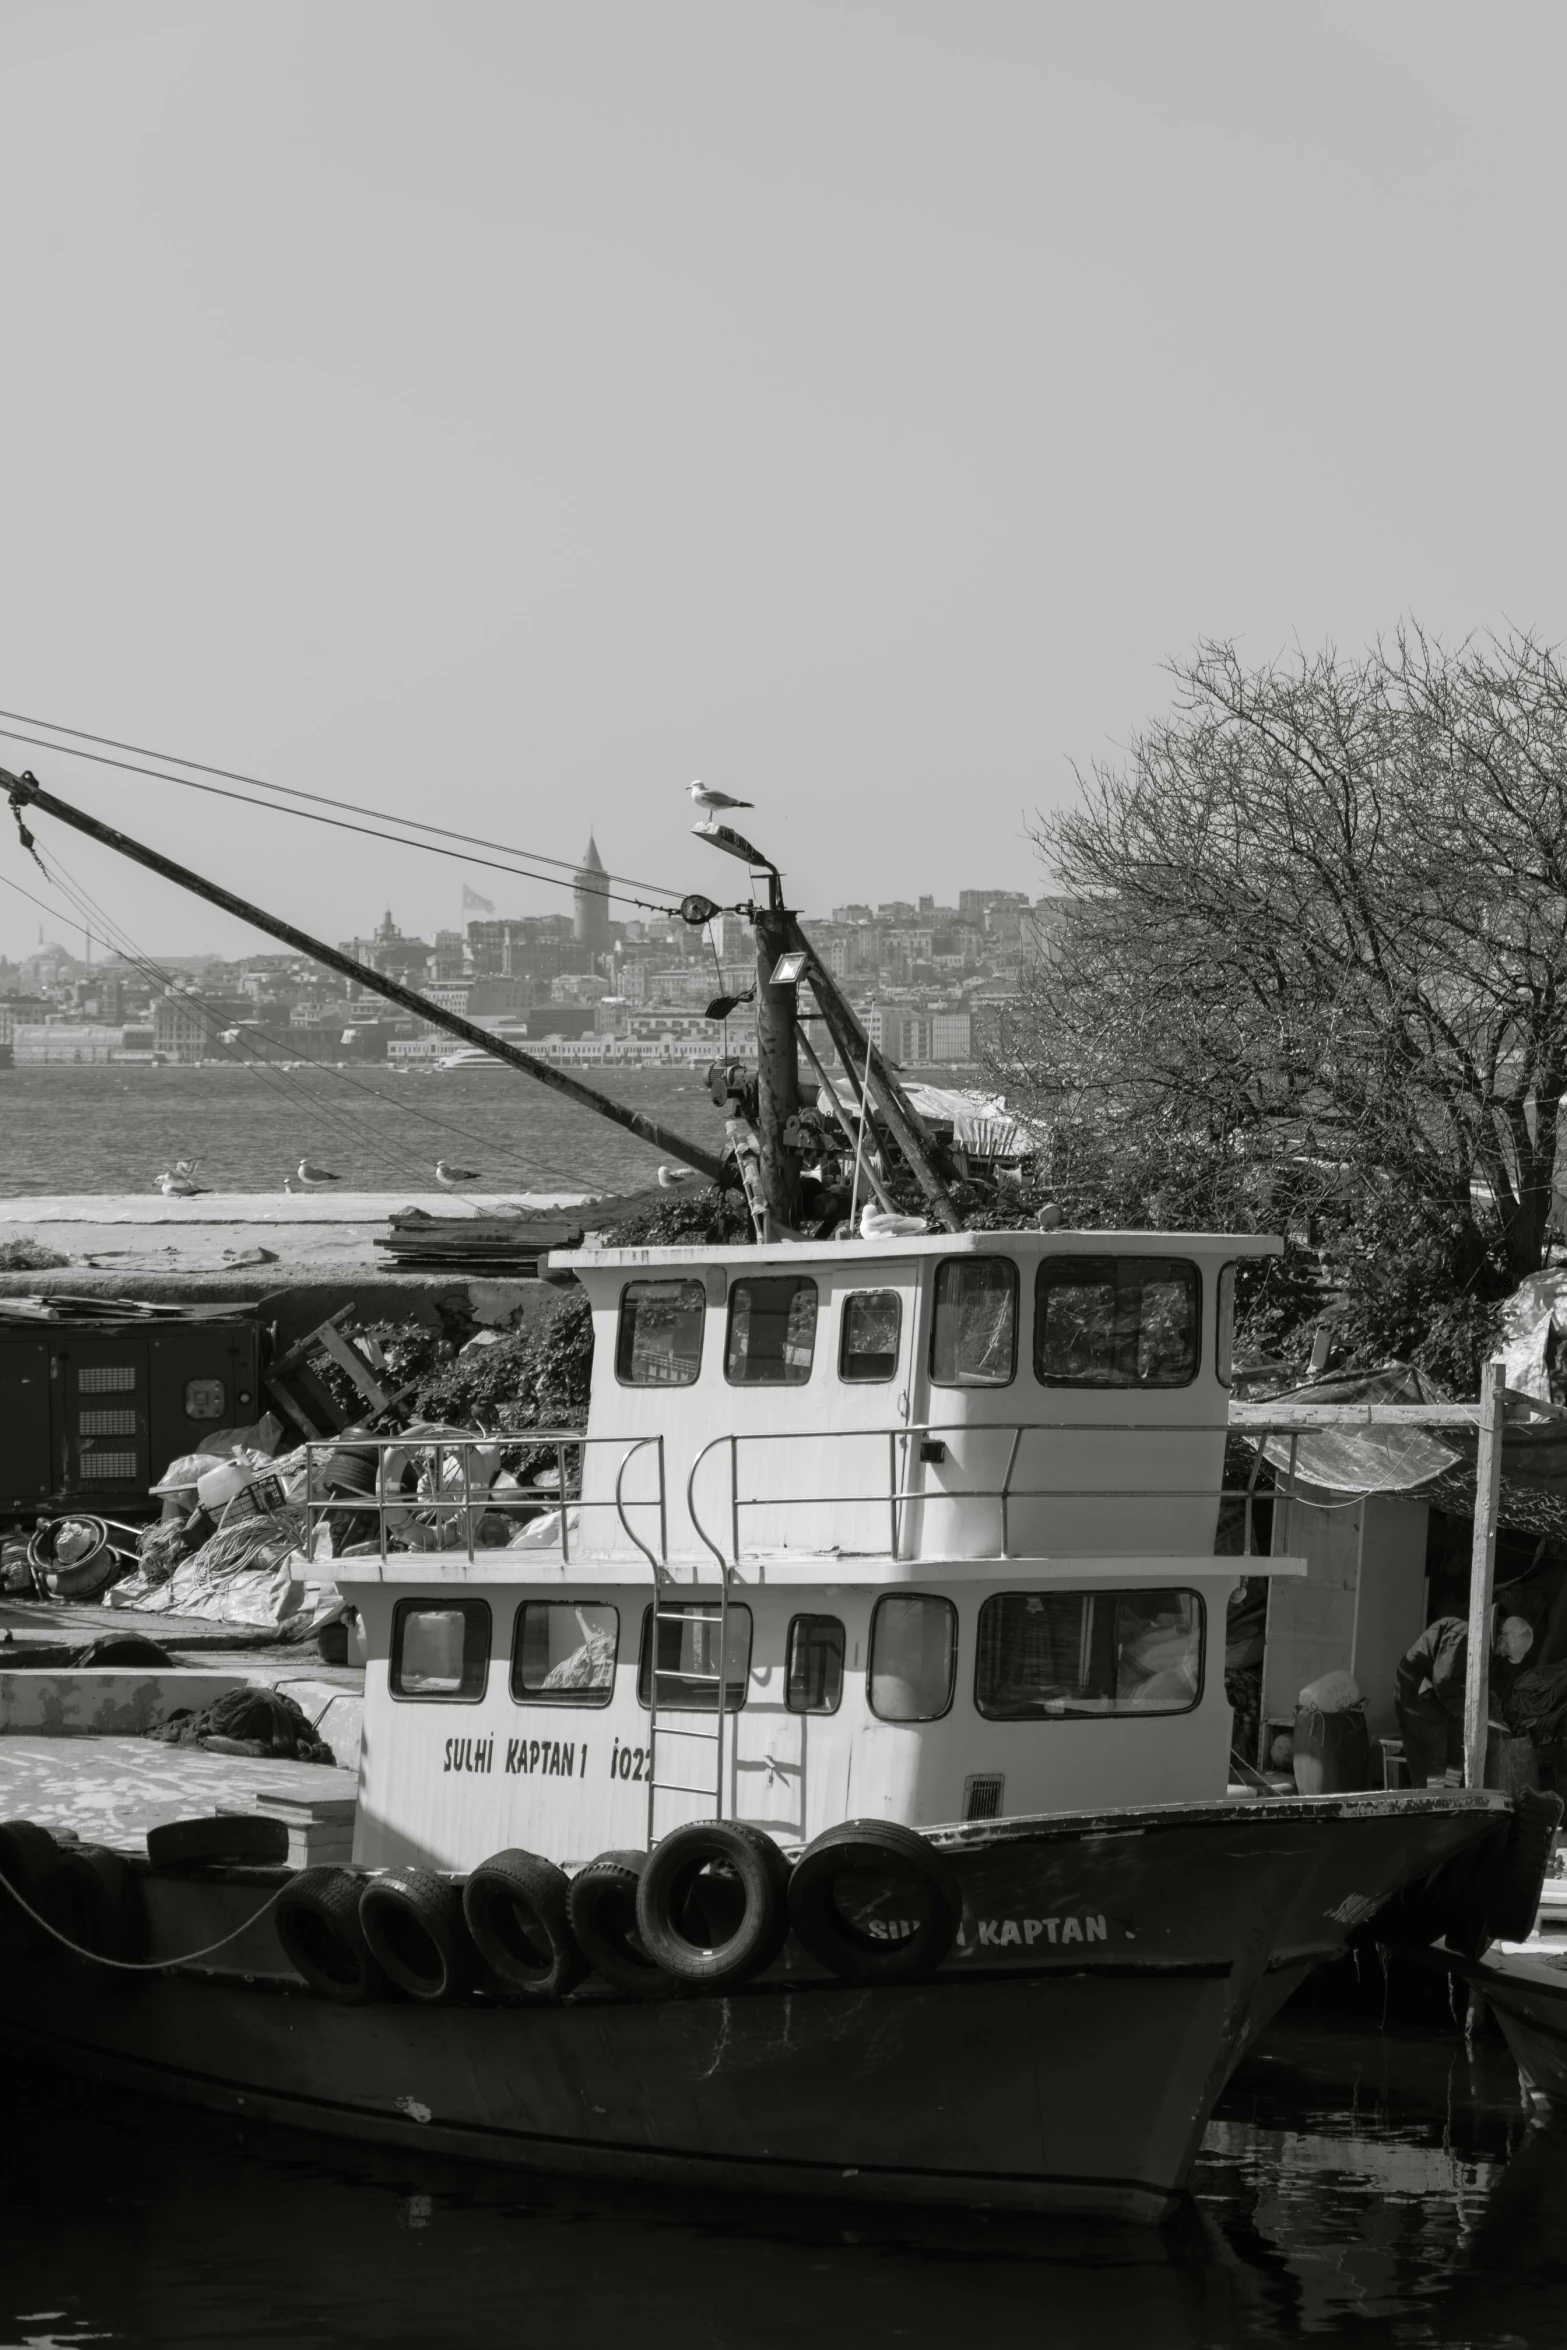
112,1790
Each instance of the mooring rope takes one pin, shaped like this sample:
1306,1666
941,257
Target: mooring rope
140,1966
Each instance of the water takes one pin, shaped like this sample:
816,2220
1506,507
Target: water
107,1127
1362,2187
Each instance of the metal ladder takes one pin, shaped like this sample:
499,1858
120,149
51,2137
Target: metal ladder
658,1672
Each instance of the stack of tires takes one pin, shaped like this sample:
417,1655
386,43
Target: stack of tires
711,1907
63,1899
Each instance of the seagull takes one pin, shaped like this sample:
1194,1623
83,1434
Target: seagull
451,1177
313,1177
292,1185
671,1178
178,1181
710,801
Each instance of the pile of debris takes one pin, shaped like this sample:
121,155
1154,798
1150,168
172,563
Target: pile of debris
504,1244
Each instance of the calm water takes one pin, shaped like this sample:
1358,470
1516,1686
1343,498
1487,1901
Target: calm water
1376,2188
114,1128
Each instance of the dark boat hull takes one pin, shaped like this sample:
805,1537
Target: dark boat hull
1110,1974
1529,1998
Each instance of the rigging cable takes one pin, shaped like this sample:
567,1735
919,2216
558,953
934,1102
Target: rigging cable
353,807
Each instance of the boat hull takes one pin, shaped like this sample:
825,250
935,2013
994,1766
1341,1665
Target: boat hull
1528,1996
1110,1974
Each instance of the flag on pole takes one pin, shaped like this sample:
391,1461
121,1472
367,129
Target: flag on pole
472,903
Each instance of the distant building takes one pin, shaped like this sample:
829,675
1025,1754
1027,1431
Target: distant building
189,1028
590,888
538,949
65,1040
390,952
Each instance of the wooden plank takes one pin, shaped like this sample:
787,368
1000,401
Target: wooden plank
352,1362
1249,1419
1482,1573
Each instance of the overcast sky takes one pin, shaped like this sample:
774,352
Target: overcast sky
504,413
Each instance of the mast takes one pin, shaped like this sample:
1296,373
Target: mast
26,791
856,1051
777,1064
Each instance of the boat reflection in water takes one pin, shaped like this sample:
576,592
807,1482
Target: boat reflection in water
1356,2185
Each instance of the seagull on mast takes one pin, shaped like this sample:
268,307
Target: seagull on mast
312,1177
451,1177
710,801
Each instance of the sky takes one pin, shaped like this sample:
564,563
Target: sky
501,414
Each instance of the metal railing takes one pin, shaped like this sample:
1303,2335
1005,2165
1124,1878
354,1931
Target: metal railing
901,1492
446,1497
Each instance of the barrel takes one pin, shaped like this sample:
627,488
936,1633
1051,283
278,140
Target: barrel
1332,1751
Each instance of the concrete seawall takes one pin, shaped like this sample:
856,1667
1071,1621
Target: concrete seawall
298,1256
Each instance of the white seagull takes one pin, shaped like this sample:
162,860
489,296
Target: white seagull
451,1177
710,801
671,1178
313,1177
179,1181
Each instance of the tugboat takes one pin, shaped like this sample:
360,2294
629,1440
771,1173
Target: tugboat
820,1786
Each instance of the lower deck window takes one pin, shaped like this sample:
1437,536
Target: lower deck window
688,1670
914,1656
564,1653
813,1677
1047,1655
440,1649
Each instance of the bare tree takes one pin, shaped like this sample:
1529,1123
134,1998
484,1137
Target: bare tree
1317,952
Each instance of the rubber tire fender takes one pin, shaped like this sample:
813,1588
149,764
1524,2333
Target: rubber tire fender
854,1957
30,1861
100,1906
602,1906
664,1897
518,1911
319,1928
1512,1890
227,1836
413,1922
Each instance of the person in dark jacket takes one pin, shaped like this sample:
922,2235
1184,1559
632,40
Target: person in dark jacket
1428,1690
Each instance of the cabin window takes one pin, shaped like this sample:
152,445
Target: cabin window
973,1339
813,1677
441,1649
914,1656
868,1337
1116,1321
688,1657
659,1342
772,1331
1224,1327
1060,1655
563,1652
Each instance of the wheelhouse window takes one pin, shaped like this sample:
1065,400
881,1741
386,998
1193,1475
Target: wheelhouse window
813,1674
1224,1327
1117,1321
688,1671
973,1340
871,1327
914,1656
563,1652
1061,1655
659,1341
440,1649
772,1331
